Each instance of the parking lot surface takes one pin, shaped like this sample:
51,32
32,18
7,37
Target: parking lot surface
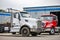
43,36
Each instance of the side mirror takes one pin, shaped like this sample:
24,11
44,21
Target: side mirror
54,18
19,17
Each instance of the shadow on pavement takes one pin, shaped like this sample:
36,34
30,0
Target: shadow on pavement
19,35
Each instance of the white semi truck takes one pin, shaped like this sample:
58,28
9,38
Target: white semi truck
20,22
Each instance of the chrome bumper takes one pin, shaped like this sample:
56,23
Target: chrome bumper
47,29
38,30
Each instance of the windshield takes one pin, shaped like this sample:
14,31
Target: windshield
46,18
25,14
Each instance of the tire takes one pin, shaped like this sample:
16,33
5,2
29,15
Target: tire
39,33
1,29
34,34
52,31
25,31
14,33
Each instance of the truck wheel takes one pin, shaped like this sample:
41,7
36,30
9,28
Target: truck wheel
25,31
52,31
39,33
34,34
13,32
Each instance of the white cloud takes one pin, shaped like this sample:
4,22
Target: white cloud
19,4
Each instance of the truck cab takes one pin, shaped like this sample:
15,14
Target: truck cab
23,24
49,23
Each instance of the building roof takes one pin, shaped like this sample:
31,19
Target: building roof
42,8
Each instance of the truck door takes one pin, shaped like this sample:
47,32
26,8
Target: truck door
15,23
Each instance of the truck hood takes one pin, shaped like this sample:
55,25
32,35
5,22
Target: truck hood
33,19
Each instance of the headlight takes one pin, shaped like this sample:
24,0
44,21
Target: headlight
43,24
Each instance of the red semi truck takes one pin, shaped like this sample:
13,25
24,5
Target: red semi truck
49,23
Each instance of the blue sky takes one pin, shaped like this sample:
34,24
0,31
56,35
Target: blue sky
19,4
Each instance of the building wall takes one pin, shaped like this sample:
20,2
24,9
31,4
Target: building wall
38,11
37,14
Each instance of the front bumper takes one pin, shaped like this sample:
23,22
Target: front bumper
37,30
47,29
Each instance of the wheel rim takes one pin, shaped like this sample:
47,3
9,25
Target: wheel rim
52,31
25,31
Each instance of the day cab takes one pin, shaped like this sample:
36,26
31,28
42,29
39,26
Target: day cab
49,23
25,25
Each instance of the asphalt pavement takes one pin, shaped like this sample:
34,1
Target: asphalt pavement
43,36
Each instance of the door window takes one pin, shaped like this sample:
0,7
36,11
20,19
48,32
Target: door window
17,15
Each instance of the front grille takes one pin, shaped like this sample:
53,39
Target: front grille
39,24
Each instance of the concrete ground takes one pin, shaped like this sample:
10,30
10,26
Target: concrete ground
43,36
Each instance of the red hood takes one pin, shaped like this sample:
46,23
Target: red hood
45,21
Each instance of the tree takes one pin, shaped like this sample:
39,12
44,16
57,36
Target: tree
2,10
